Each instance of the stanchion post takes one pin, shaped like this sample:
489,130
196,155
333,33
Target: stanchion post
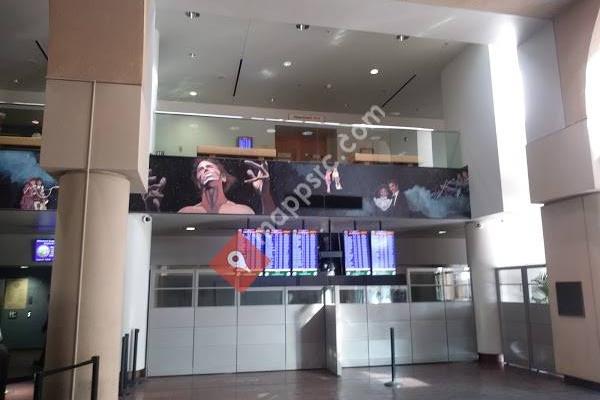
38,385
95,376
136,333
393,382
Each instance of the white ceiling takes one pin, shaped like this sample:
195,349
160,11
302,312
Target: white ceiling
320,56
22,22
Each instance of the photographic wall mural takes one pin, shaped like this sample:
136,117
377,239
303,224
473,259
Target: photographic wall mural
238,186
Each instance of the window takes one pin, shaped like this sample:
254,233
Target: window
174,280
352,296
173,298
386,294
220,297
261,298
537,279
305,296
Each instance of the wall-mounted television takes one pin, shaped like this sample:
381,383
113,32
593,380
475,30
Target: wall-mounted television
383,253
43,250
305,252
278,251
245,142
357,258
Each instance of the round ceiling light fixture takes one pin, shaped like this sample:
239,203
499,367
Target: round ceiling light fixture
402,38
271,130
192,14
35,122
287,64
307,133
193,93
328,86
302,27
374,71
272,99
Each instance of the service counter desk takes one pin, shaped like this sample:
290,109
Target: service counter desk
198,325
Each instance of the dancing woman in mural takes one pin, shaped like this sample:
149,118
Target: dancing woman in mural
34,195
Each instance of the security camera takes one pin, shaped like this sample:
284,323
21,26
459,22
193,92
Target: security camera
146,219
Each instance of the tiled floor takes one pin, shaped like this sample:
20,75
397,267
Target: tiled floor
423,382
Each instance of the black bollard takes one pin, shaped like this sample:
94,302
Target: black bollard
393,382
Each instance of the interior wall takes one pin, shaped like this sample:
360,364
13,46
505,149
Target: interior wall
26,331
136,282
17,249
469,109
431,251
187,250
572,233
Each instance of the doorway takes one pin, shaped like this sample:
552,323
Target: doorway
308,143
525,317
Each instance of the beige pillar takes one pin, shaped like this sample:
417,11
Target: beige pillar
87,282
96,129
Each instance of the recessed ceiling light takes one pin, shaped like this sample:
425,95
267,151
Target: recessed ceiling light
234,128
193,93
24,266
287,63
193,55
190,228
374,71
328,86
271,130
16,81
193,125
272,100
375,138
402,38
302,27
442,232
192,14
307,133
35,122
346,105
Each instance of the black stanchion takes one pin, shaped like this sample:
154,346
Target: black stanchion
136,333
38,377
124,362
393,382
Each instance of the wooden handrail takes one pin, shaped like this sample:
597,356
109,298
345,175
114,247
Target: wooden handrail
20,141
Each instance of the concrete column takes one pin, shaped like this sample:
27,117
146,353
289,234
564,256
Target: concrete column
87,283
482,259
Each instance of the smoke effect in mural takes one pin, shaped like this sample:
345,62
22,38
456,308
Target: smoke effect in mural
236,186
23,183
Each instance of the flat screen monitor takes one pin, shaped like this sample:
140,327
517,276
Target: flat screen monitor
357,259
305,256
43,250
278,250
253,249
383,253
244,142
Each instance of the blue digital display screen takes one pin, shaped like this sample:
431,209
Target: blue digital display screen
244,142
305,256
383,253
43,250
253,248
357,259
278,250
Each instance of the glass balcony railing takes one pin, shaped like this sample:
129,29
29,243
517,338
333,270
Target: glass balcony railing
294,140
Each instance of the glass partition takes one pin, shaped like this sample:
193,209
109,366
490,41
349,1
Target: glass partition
21,120
295,140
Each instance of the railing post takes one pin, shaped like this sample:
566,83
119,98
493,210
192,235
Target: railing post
95,375
136,333
123,372
38,385
393,382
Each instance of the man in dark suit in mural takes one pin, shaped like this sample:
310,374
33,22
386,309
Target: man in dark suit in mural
399,205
